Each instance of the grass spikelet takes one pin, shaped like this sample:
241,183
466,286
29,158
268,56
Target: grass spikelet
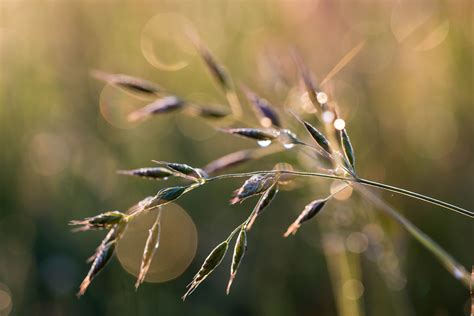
166,195
152,243
319,137
181,169
254,186
207,112
211,262
155,173
253,133
268,116
102,256
132,84
309,212
228,161
239,252
102,221
262,203
217,71
305,77
159,106
347,148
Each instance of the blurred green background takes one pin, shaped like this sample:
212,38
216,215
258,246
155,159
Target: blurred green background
407,97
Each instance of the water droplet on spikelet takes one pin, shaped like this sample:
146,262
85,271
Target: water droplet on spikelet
339,124
322,97
264,143
328,117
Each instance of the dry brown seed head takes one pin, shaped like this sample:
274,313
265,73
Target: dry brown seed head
151,246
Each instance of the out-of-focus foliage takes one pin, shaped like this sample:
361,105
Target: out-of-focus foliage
407,96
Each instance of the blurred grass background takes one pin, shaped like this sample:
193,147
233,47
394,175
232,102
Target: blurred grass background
407,98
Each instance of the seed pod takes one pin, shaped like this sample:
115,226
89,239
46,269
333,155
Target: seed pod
253,133
239,252
253,186
126,82
182,169
209,112
164,196
155,173
262,203
347,147
102,221
309,212
318,137
227,161
151,246
159,106
211,262
263,108
306,78
102,256
216,70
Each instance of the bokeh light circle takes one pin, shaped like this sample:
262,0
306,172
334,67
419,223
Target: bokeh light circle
178,244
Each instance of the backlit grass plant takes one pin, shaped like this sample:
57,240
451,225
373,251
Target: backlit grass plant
329,148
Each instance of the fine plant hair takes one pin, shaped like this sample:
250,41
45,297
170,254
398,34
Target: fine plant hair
329,148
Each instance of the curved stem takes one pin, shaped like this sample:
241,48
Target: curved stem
455,268
416,196
382,186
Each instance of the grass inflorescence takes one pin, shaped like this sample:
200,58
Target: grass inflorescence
330,148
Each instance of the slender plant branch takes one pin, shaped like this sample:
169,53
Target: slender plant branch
382,186
455,268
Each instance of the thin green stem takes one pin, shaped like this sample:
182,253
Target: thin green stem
455,268
416,196
382,186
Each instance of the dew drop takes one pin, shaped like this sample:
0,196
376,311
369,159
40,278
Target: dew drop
328,117
322,97
339,124
264,143
288,146
165,178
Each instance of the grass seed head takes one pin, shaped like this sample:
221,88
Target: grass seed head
103,254
152,243
253,186
155,173
253,133
239,252
211,262
159,106
102,221
309,212
133,84
347,148
264,109
262,203
319,137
